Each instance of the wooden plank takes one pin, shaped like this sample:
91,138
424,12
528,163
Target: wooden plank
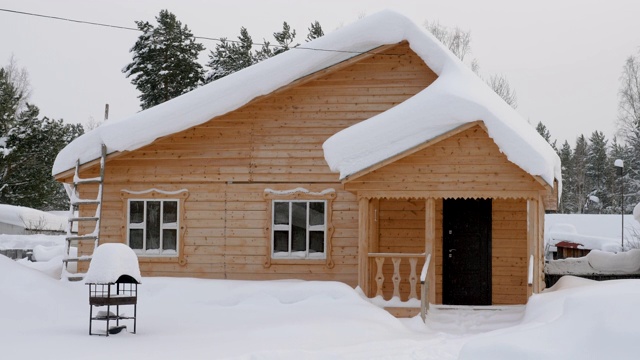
363,245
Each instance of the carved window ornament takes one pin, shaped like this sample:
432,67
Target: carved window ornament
299,229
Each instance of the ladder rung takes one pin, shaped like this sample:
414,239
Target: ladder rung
81,237
96,180
84,258
87,218
85,202
76,277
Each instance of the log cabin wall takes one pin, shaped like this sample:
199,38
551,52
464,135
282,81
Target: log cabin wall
401,229
273,142
466,165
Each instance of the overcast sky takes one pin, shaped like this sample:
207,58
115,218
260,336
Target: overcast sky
563,57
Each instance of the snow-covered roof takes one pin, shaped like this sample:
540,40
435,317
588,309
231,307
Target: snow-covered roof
31,219
110,261
457,97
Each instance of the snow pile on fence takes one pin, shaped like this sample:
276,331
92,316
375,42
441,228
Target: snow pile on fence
30,241
31,219
567,232
593,231
597,263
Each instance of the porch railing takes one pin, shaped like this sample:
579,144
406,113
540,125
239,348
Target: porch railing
424,289
396,260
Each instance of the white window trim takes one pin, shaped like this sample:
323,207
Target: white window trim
298,255
169,226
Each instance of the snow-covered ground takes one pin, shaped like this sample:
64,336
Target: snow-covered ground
181,318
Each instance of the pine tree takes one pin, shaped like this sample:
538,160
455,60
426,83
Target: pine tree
567,203
10,99
622,152
580,154
284,39
544,132
164,62
28,147
315,31
598,170
232,56
35,142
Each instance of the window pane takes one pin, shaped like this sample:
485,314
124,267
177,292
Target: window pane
299,226
316,213
280,241
316,241
135,238
169,212
169,239
281,213
136,212
153,225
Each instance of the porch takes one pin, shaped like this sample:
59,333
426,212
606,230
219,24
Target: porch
397,235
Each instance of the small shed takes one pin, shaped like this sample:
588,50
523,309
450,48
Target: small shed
113,278
569,249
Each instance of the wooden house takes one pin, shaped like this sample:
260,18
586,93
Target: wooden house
351,158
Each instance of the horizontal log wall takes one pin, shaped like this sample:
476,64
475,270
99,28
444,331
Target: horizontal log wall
273,142
467,162
401,230
509,256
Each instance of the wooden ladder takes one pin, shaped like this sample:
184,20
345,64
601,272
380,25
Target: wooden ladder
75,205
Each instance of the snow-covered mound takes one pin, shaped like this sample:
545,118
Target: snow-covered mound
31,219
110,261
578,320
597,263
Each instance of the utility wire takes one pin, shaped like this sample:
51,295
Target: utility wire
197,37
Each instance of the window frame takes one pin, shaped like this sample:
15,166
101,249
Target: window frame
144,251
298,195
290,254
180,196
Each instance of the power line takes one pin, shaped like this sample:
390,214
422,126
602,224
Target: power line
197,37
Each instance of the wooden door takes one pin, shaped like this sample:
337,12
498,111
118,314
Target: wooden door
466,277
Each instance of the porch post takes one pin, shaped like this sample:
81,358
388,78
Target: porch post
532,244
430,244
363,245
539,275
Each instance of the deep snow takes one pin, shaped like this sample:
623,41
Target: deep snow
195,319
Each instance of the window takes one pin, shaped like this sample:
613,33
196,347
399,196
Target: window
299,229
152,226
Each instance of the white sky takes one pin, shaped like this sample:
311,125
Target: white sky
564,57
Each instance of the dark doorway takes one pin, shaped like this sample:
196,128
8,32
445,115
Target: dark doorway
466,278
